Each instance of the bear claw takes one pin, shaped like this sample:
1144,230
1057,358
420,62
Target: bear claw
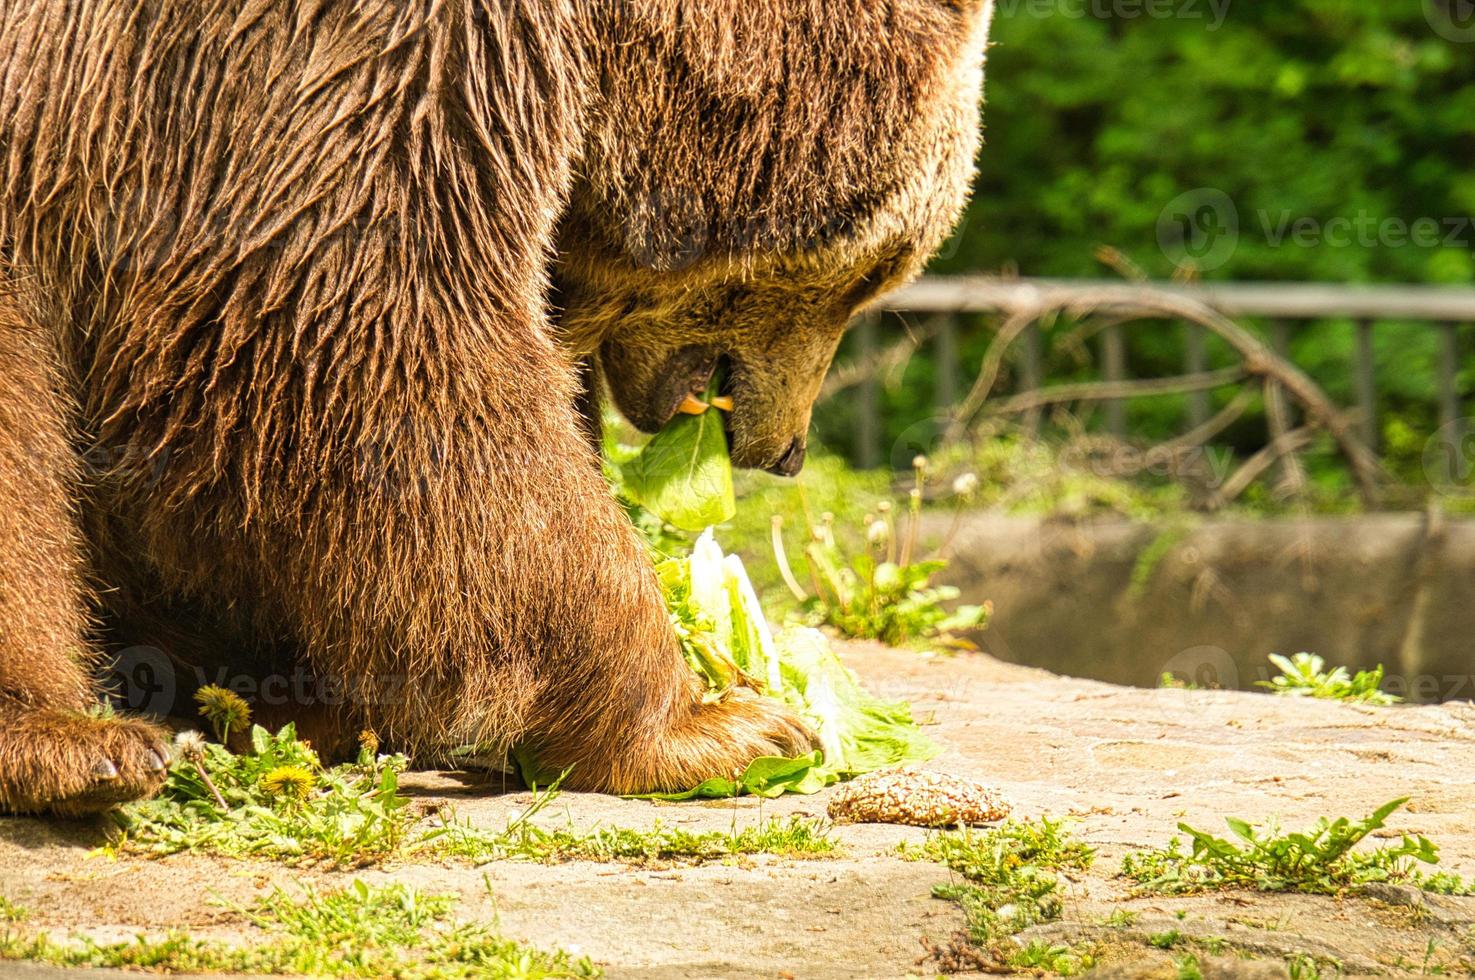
72,764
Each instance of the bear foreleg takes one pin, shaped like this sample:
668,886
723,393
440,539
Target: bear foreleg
55,754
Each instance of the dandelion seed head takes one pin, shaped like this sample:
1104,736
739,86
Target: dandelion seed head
190,744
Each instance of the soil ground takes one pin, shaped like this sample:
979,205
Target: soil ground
1127,764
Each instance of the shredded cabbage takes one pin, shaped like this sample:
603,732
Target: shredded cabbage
728,642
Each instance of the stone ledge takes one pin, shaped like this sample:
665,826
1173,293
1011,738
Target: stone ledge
1126,764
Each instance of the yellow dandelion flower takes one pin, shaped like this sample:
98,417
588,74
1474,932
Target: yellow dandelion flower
225,709
291,783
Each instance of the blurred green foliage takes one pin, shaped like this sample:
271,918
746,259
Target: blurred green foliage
1308,109
1329,140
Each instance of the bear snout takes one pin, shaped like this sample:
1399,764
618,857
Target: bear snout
791,462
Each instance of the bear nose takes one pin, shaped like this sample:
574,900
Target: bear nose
791,462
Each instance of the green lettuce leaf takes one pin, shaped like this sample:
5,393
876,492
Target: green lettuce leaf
769,776
683,475
727,642
714,606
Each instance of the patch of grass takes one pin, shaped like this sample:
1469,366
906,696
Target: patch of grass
1441,960
1171,681
1055,958
1215,945
1009,873
1304,966
281,803
882,589
1121,919
1321,861
279,800
11,912
360,931
1165,940
1188,967
988,855
1305,676
796,837
1445,883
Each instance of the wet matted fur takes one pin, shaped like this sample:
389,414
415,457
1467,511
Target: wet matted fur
296,297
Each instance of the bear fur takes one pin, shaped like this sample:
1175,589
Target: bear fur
305,307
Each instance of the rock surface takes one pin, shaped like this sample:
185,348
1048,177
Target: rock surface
1126,764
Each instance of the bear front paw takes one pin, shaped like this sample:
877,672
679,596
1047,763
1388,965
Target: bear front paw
756,726
72,764
716,740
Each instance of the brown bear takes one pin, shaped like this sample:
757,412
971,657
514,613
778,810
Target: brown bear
303,310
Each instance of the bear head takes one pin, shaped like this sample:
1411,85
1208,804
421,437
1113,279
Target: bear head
757,172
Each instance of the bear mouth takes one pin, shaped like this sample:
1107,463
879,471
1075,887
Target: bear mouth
696,400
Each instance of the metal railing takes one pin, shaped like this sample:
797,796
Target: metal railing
940,300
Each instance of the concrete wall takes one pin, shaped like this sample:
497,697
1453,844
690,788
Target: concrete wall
1210,600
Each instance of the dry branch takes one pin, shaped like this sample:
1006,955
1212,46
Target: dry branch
882,362
1138,304
1240,480
1278,417
1222,420
1116,390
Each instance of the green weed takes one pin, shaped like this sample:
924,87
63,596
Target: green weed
1121,919
796,837
1054,958
11,912
1321,861
1170,681
1304,966
279,802
1188,967
883,591
1009,874
1305,676
360,931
